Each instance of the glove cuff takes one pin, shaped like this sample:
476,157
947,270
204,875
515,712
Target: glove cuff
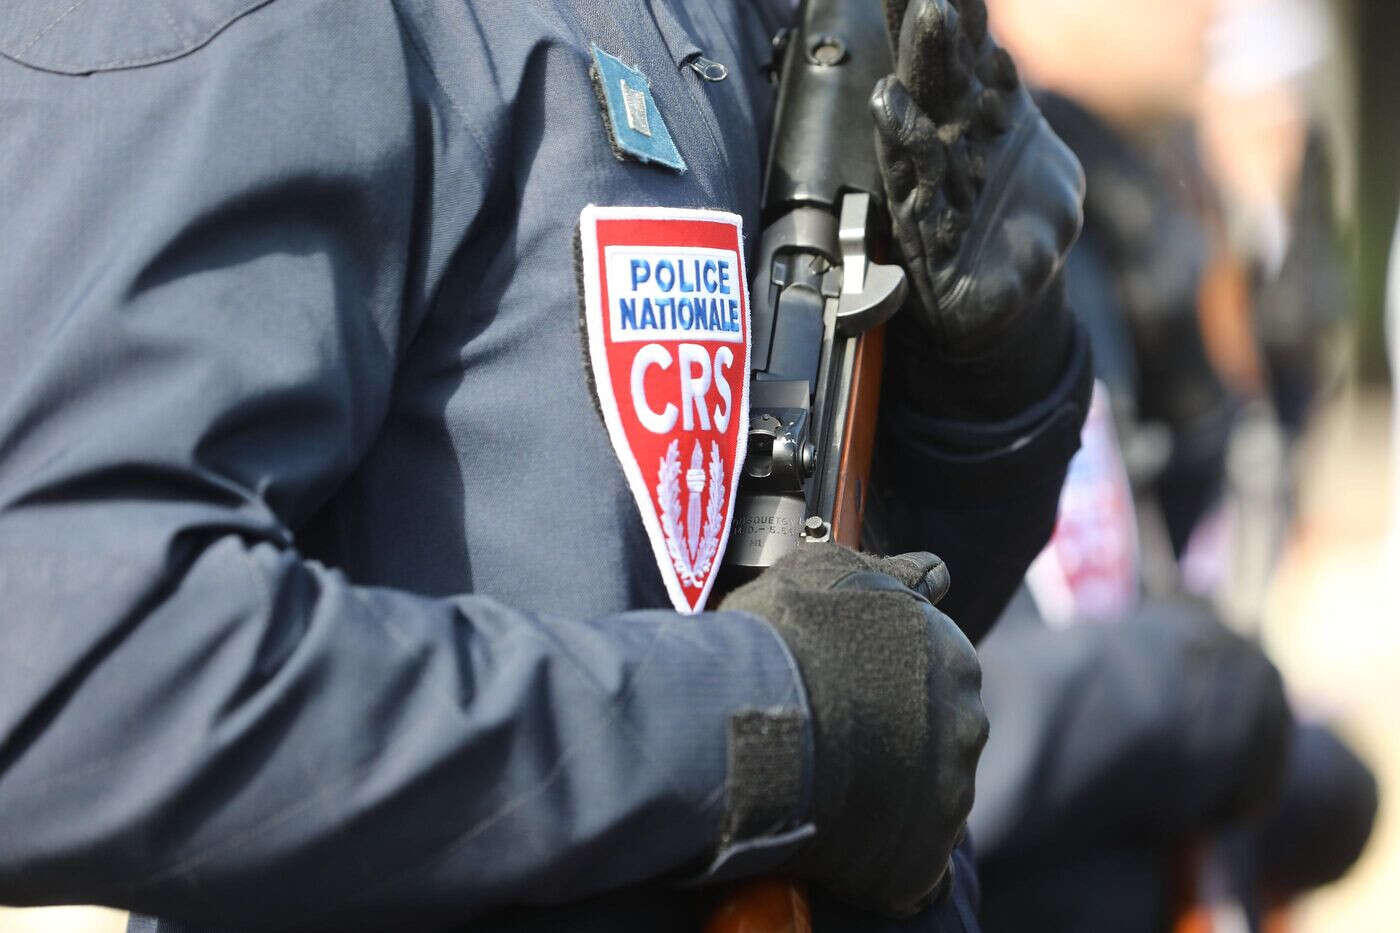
1019,370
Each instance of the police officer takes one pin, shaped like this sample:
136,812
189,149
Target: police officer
328,599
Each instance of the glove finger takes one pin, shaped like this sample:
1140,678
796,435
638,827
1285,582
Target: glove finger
894,17
1034,229
990,117
928,61
887,103
960,182
995,69
973,16
822,559
922,572
906,140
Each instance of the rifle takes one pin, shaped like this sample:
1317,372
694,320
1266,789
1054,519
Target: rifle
819,305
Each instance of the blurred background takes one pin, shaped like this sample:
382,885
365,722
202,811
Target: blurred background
1258,142
1261,140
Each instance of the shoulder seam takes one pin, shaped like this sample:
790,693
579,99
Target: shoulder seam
415,40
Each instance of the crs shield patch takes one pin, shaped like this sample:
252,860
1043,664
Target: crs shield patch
666,310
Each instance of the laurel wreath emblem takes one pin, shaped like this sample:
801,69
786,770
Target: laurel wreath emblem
691,567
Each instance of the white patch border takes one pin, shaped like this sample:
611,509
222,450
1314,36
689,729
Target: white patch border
602,381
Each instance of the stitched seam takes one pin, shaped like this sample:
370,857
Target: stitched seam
182,48
149,58
56,20
415,41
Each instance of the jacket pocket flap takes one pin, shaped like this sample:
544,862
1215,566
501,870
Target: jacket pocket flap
82,36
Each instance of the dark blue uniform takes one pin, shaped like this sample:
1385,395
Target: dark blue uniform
325,603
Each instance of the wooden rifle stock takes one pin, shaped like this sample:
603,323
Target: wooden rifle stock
779,905
848,518
762,905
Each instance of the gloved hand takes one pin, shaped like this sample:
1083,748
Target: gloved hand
985,199
894,689
1235,722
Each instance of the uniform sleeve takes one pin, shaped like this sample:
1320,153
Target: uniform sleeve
1160,726
210,267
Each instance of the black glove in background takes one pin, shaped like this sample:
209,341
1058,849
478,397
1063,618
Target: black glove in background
894,690
985,200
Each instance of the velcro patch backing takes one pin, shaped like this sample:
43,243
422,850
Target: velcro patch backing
764,786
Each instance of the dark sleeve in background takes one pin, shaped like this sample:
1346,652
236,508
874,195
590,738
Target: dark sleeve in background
1162,725
1113,742
211,265
1318,827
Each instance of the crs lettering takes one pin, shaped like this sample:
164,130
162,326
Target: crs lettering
696,374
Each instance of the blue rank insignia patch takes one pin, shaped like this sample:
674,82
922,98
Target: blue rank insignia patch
634,125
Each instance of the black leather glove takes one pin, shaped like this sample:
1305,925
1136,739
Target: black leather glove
894,689
984,197
1236,722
